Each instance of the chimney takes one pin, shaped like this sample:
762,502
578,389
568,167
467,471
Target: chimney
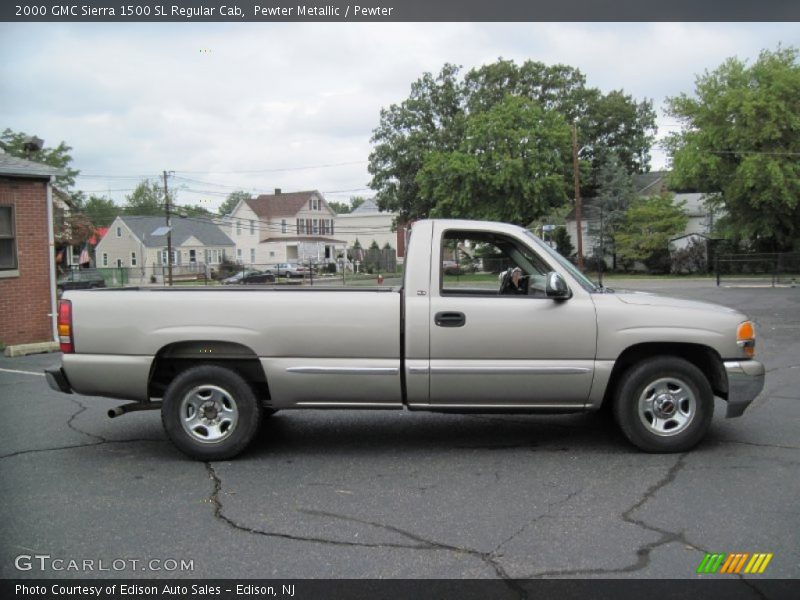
277,191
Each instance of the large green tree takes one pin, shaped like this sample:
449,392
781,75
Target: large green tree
232,201
615,192
100,211
20,144
740,144
146,200
644,234
435,118
508,165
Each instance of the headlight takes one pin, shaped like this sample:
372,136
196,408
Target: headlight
746,338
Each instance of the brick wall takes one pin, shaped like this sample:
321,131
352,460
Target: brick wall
25,300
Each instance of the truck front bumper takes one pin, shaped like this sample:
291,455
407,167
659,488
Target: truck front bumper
57,379
745,382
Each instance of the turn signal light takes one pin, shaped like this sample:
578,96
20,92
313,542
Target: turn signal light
746,338
65,337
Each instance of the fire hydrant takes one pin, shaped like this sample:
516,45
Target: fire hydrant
380,279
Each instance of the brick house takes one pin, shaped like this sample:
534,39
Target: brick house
27,262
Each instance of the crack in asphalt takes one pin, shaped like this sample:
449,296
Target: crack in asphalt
98,439
419,542
644,551
760,445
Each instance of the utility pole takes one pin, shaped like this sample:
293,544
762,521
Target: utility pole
169,231
577,179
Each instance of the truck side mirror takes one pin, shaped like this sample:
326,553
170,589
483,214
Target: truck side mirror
556,287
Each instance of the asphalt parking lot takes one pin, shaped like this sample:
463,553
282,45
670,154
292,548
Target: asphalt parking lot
400,494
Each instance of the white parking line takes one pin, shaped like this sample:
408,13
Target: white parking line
22,372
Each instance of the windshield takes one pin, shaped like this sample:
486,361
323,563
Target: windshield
585,282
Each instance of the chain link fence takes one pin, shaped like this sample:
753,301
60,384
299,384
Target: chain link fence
776,268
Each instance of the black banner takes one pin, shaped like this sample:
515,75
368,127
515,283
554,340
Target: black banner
419,589
397,10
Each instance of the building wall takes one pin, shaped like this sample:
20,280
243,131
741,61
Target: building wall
366,227
25,298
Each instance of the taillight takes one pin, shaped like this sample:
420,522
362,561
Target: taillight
65,336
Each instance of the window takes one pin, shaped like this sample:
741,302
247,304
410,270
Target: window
105,259
8,240
119,232
175,257
238,228
487,257
315,225
213,256
252,227
239,254
252,256
284,226
133,259
119,263
314,203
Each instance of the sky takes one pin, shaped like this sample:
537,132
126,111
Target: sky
259,106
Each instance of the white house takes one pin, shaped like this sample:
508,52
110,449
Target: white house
284,227
368,224
139,244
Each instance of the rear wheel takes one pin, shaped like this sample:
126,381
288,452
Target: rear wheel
210,412
664,404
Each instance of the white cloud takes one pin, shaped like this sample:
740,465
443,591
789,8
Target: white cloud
211,99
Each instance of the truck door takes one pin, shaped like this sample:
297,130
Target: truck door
493,350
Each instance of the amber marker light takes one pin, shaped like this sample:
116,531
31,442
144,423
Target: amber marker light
746,338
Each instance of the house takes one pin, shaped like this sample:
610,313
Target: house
27,260
139,245
284,227
700,222
368,224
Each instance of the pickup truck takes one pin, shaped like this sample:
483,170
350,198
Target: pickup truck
217,360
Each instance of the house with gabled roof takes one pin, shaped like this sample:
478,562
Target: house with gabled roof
139,244
284,227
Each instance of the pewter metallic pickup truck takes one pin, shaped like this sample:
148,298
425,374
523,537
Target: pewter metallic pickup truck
215,361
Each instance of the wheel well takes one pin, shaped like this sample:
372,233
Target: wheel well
704,358
176,358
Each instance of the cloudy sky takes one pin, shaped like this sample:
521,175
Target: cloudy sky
257,106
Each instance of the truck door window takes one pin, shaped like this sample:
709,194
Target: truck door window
474,263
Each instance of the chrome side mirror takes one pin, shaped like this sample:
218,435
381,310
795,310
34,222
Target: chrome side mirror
556,287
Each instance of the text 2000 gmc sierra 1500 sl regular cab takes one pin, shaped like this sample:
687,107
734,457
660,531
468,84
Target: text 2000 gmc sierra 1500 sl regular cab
216,360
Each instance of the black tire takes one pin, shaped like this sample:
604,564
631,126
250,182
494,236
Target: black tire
664,404
210,413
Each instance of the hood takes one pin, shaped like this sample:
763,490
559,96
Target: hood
650,299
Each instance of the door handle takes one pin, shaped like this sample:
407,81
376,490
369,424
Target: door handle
450,319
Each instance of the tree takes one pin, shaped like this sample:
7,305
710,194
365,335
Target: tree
563,242
100,211
435,118
740,146
644,234
146,200
232,200
20,144
615,192
343,208
508,167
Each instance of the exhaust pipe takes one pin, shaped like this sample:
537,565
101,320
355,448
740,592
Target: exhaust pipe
132,407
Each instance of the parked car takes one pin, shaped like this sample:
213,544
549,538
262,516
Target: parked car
80,279
258,277
290,270
215,361
238,276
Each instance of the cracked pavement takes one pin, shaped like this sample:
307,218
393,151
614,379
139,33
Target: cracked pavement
408,495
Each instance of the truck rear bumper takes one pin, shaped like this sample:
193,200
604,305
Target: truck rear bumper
745,382
57,379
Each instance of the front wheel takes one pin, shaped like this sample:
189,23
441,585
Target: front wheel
210,412
664,404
